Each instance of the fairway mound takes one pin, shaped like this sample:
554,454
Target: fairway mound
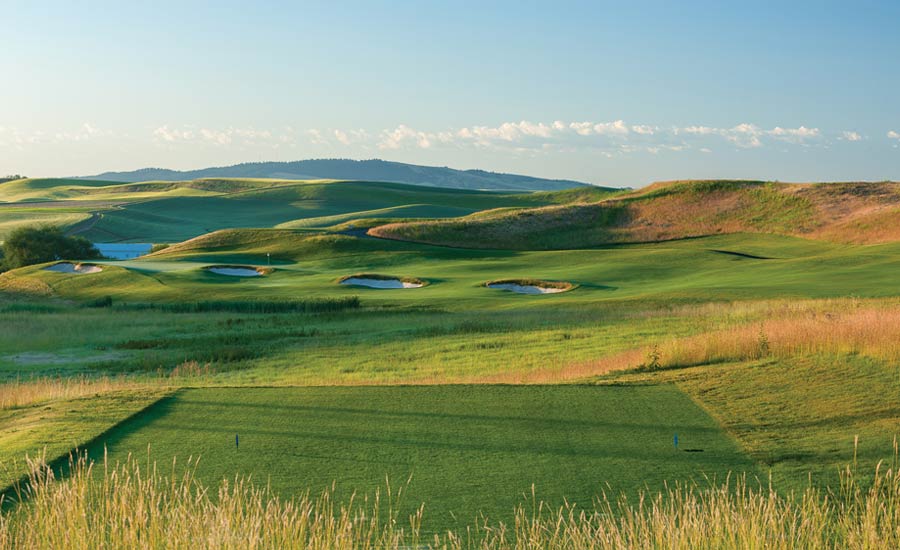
78,269
530,286
374,280
238,270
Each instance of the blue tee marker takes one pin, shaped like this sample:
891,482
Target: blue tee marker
237,442
675,441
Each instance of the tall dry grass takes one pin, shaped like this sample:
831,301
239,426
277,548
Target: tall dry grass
24,393
749,332
127,506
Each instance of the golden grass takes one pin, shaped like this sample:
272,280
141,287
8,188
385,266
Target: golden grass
752,331
12,283
26,393
129,506
853,212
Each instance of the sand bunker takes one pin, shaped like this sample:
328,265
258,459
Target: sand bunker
381,281
530,287
78,269
235,271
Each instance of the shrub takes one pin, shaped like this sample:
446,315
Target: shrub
31,245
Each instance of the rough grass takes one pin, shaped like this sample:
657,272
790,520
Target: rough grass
849,327
845,212
128,506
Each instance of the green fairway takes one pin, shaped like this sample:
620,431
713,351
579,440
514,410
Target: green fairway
308,264
467,448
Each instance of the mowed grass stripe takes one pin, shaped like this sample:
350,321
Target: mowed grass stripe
469,449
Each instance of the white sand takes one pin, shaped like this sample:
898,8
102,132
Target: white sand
526,289
78,269
380,283
235,271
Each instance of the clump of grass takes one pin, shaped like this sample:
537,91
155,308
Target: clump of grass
105,301
192,369
130,506
133,506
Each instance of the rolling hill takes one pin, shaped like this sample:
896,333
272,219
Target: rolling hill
165,211
345,169
851,212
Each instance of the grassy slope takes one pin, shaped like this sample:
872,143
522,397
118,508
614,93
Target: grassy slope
467,448
13,218
174,211
307,265
841,212
799,416
54,427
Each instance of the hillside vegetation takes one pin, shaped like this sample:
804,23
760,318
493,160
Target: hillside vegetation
856,212
163,211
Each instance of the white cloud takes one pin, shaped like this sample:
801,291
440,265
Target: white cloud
893,134
795,135
221,137
401,135
744,135
316,137
344,137
749,135
216,137
614,137
582,128
168,134
697,130
643,129
850,136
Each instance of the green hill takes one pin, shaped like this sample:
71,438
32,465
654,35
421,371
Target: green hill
839,212
174,211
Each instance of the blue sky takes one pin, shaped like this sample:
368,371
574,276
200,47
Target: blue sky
619,93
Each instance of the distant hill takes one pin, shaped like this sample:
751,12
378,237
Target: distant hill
850,212
343,169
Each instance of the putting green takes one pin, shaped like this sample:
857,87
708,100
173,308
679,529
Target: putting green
469,449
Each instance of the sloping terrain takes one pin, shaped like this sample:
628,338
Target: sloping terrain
173,211
862,213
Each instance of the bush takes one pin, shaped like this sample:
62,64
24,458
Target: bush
105,301
44,243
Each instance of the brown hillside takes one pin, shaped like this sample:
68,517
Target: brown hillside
856,212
